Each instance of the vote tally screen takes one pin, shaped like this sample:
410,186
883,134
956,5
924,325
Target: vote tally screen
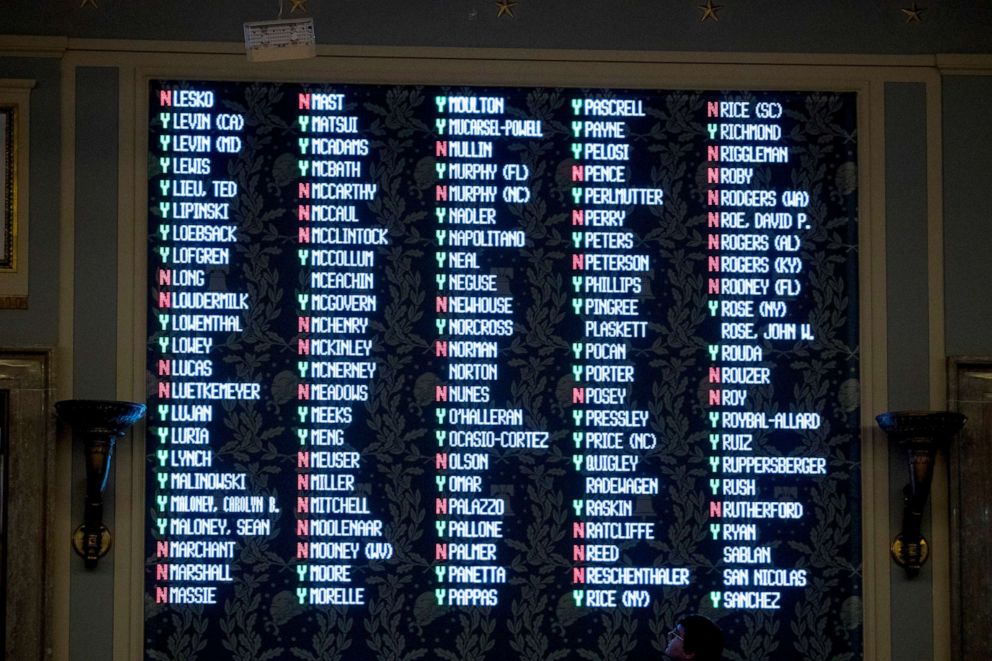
471,373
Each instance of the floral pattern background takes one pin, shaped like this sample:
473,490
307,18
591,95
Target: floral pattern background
258,617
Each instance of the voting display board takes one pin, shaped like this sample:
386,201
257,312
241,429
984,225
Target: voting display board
500,373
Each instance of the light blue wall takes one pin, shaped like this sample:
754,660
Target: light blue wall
94,330
968,214
907,311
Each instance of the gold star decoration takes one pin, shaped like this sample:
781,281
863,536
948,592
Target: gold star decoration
505,8
92,3
298,4
709,11
914,14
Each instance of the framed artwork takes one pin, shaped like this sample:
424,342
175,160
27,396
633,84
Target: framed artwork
14,113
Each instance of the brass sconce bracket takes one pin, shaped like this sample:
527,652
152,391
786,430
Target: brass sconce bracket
97,425
920,434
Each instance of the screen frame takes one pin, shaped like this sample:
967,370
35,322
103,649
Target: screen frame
570,69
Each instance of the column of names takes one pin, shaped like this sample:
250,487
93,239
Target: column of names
335,526
609,435
753,262
472,317
199,511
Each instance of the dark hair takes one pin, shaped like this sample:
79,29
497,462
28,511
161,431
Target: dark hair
702,638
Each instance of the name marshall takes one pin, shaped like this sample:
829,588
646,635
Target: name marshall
194,573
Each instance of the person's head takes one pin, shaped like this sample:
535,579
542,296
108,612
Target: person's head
695,638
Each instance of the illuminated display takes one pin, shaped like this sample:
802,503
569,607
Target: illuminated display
466,373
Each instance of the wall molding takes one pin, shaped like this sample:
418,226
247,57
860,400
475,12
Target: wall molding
138,61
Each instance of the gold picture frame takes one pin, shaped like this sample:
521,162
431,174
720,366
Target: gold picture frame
14,113
8,191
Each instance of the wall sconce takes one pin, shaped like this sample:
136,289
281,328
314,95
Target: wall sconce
97,424
920,434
